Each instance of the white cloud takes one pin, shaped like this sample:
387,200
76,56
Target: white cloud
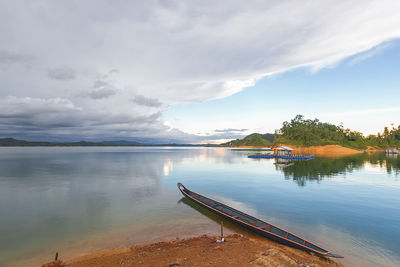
233,86
369,54
174,51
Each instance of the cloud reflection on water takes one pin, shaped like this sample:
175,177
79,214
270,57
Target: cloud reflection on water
53,196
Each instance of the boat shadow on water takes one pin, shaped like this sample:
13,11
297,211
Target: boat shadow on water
232,227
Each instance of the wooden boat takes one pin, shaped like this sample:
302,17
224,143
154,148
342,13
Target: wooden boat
260,227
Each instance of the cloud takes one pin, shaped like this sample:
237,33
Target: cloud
173,52
369,54
50,117
60,119
8,57
230,130
146,101
63,73
101,93
100,84
233,86
102,90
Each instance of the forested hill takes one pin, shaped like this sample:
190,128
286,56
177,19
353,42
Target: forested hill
305,132
254,139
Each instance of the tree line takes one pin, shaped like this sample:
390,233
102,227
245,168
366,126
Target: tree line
306,132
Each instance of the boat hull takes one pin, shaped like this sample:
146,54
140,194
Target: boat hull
259,230
253,229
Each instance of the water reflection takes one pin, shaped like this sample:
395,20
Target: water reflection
54,196
211,215
331,237
168,167
283,163
228,225
319,168
389,161
49,195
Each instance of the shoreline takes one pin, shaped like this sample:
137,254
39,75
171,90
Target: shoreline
328,150
238,250
322,151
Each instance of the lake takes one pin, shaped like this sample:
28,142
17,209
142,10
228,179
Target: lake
74,200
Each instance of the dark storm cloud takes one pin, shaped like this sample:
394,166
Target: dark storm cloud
60,116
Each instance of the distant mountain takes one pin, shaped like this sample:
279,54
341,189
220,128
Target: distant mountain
254,139
16,142
122,143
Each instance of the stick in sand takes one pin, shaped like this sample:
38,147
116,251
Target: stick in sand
222,231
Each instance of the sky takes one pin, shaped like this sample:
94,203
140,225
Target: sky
195,71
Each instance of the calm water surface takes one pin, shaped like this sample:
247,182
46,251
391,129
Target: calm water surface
76,200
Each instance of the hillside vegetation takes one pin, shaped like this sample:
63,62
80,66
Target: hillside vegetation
306,132
254,139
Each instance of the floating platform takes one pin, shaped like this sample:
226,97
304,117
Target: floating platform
295,157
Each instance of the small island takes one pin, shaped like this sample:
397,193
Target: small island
315,137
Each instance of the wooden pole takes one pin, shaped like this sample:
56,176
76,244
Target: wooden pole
222,230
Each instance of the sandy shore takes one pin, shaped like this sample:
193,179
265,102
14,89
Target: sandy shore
327,151
201,251
322,151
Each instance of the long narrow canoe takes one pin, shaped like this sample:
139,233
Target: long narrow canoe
260,227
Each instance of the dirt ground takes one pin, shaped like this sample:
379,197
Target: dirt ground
327,151
321,151
201,251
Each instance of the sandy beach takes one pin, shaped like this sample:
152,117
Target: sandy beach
327,150
322,151
238,250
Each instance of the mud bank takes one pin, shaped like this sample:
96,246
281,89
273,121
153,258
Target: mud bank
201,251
